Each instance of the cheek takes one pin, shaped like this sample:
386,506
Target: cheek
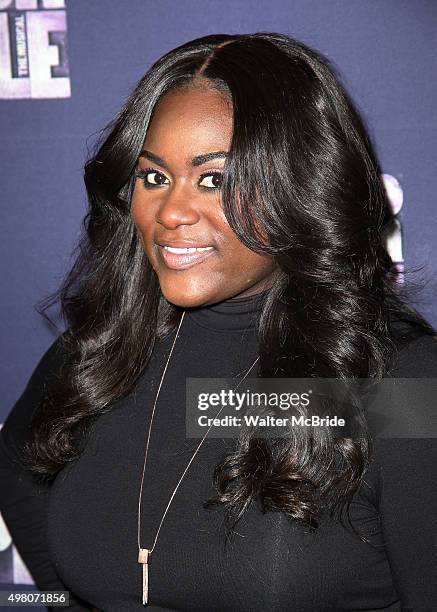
250,264
141,216
257,266
137,210
142,221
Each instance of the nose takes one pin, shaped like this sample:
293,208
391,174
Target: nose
177,207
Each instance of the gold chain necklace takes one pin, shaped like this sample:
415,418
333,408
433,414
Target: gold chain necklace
144,553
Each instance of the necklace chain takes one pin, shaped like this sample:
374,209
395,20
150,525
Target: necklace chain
192,457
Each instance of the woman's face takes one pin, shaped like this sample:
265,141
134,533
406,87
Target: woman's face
176,203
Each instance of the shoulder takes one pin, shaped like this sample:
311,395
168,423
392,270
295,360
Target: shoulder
48,368
403,413
416,351
403,404
16,427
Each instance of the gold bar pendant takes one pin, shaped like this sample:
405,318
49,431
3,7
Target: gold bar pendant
143,557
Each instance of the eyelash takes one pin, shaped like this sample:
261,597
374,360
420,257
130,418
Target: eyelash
144,172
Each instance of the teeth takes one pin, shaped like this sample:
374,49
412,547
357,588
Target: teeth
180,250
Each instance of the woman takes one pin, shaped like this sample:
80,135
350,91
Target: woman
235,229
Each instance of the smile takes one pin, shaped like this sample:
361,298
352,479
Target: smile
178,258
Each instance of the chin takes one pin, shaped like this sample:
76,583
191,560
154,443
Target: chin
186,299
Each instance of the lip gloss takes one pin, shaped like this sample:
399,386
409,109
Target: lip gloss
180,261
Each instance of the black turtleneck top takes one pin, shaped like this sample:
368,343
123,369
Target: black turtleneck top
80,533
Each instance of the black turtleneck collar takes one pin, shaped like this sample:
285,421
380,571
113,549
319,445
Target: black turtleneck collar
233,314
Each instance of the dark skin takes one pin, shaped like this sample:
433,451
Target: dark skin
176,200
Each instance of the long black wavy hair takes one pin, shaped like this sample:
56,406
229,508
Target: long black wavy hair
302,184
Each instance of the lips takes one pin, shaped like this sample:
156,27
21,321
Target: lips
181,261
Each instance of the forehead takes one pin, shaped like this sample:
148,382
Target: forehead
190,118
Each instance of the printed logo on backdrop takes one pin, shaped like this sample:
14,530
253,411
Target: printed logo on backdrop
12,567
393,234
33,49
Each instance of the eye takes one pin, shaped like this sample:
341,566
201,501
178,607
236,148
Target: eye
212,180
152,178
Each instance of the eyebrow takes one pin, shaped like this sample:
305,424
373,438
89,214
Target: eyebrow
196,161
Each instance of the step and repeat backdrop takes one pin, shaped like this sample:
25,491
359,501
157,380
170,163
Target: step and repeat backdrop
65,70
